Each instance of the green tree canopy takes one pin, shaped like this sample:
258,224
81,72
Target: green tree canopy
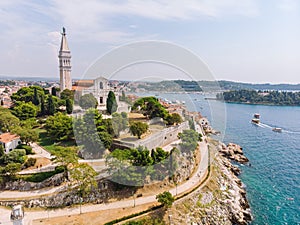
25,110
27,134
173,118
138,128
119,122
27,94
88,101
7,120
189,140
67,94
51,106
69,106
60,127
165,198
111,103
91,132
151,107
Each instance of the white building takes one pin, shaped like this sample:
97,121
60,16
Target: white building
99,88
9,141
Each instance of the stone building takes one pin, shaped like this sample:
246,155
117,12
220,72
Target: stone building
64,57
98,87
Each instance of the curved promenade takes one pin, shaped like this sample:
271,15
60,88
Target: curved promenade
181,189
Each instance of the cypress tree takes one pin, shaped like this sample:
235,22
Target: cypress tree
111,103
51,107
69,106
53,91
43,108
36,100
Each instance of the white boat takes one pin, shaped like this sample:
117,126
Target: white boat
256,119
277,129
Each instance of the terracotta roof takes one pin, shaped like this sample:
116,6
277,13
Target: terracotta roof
84,83
8,137
78,88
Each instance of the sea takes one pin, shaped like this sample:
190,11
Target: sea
272,179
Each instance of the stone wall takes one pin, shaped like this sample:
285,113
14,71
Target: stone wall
159,139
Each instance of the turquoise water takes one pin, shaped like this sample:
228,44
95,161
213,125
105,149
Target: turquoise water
273,179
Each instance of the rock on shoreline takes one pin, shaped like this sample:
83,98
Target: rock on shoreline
221,201
233,152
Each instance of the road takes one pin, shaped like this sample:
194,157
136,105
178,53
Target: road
182,188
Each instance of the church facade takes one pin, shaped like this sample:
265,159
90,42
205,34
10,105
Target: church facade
98,87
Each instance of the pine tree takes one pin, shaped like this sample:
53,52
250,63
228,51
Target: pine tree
69,106
111,103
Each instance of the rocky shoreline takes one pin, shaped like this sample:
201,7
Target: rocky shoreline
223,199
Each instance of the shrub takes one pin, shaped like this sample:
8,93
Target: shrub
30,162
27,148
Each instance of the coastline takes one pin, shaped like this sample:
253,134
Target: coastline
261,104
223,199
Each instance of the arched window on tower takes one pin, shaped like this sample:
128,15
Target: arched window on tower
101,85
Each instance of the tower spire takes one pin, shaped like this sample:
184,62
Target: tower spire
64,57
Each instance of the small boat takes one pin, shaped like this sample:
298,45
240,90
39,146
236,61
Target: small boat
256,119
290,199
277,129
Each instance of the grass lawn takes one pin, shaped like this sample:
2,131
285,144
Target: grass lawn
49,144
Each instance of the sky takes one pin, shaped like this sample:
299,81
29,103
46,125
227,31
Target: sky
240,40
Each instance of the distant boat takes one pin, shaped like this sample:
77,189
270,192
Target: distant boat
256,119
277,129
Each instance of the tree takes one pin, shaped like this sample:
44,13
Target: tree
43,107
173,118
26,94
83,177
151,107
67,94
51,106
15,156
138,128
7,120
1,150
165,198
11,169
53,91
36,100
69,106
60,127
119,122
111,103
88,101
25,110
88,132
189,140
27,134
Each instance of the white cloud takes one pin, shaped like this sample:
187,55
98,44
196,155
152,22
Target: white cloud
288,5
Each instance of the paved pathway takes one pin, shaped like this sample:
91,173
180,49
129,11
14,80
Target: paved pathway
180,189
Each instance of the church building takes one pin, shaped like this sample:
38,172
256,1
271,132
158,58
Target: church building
98,87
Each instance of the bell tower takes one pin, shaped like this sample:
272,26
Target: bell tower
64,57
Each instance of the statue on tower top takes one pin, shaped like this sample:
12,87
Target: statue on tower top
64,31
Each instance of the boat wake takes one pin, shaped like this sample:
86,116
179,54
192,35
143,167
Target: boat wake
263,125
